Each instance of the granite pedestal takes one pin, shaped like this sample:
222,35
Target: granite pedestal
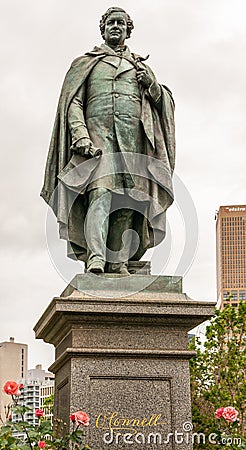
121,356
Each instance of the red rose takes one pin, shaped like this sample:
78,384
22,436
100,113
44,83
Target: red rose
39,413
219,413
81,418
230,414
41,444
11,388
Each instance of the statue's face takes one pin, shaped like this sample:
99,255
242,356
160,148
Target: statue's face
116,28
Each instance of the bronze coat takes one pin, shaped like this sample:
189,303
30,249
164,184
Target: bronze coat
69,207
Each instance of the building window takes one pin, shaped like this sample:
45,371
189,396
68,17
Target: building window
226,295
242,295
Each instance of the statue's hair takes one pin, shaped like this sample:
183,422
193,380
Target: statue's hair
111,10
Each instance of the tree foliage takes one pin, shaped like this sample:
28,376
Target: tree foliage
218,375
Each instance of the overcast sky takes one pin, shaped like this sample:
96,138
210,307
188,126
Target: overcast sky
197,48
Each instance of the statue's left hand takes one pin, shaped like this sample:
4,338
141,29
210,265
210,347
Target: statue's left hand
144,78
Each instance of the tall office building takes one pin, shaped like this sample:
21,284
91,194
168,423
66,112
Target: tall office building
13,366
231,255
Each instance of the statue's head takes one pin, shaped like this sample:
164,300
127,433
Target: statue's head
115,12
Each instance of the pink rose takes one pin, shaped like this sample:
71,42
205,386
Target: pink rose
39,413
41,444
11,388
230,414
81,418
219,413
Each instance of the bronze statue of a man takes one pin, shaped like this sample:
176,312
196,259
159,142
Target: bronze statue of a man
112,151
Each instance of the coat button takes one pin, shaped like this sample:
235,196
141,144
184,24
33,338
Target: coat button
117,113
116,95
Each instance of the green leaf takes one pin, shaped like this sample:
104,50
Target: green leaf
24,447
45,427
21,409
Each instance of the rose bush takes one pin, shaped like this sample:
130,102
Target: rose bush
230,414
12,388
39,413
81,418
45,435
219,413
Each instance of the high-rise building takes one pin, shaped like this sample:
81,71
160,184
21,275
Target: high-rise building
13,367
37,386
231,255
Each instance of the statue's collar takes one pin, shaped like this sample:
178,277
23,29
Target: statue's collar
104,49
120,49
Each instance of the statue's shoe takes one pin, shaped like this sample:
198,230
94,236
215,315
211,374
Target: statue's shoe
96,267
123,271
119,268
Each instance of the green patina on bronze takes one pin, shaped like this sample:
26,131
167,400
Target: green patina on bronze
111,103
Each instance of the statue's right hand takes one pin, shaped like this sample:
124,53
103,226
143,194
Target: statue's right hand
82,146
